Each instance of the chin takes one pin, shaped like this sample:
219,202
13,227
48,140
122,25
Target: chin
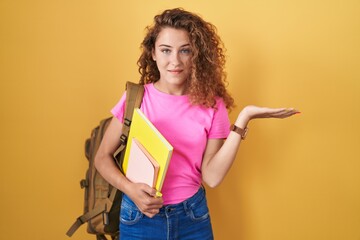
176,81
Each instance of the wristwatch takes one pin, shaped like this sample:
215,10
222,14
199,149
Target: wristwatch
240,131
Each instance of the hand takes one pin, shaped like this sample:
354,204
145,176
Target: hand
253,112
264,112
145,199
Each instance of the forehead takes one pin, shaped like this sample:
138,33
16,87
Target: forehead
172,37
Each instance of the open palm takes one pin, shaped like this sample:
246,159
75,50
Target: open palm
254,112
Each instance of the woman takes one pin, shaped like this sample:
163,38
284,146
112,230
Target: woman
182,69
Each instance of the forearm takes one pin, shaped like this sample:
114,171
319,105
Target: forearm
218,160
106,166
215,169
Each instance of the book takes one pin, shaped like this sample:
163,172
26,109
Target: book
142,167
153,141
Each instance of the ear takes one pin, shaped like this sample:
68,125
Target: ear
153,55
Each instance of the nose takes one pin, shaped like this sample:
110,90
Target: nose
175,58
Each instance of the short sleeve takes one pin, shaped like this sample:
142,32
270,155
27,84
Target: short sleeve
220,127
119,110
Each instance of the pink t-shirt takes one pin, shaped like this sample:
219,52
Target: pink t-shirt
187,128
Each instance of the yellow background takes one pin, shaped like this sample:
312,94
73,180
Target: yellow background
63,65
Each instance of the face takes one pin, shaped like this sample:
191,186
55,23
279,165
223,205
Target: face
172,54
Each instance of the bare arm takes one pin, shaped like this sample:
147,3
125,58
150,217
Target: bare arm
219,154
141,194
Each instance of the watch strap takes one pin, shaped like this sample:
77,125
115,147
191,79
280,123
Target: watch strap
242,132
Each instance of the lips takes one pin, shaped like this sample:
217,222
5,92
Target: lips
175,71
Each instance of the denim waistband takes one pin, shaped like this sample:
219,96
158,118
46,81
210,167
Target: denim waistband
183,206
173,208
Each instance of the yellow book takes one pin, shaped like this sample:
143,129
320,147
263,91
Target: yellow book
153,141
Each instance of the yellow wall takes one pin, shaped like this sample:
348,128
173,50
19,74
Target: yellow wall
63,65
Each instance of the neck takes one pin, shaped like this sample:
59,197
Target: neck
171,89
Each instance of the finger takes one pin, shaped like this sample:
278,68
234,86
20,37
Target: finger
149,209
286,113
272,112
275,110
151,213
280,113
155,203
149,190
291,111
154,211
148,203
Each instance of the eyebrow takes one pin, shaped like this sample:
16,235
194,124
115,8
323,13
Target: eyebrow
165,45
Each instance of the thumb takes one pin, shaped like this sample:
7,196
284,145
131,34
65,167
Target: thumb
149,190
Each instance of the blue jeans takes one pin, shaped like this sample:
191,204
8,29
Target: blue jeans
184,221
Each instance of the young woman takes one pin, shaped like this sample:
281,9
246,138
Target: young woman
182,69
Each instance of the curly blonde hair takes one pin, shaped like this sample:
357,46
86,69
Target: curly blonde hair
208,78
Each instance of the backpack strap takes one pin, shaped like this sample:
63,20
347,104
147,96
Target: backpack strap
134,98
100,209
84,218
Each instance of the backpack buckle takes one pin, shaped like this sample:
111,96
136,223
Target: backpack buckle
84,183
123,138
105,216
127,122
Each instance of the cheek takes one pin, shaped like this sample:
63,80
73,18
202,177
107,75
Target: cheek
159,63
188,64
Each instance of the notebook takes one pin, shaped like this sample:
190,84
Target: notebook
153,141
142,167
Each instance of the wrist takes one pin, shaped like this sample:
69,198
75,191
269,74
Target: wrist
243,119
124,185
241,131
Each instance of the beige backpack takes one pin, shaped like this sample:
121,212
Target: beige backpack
102,201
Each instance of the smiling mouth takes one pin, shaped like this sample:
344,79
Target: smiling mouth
175,71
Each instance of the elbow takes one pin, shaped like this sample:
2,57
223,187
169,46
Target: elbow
98,160
212,185
211,182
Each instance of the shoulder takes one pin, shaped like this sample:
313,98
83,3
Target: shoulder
219,103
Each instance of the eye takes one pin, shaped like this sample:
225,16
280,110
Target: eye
185,51
165,50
